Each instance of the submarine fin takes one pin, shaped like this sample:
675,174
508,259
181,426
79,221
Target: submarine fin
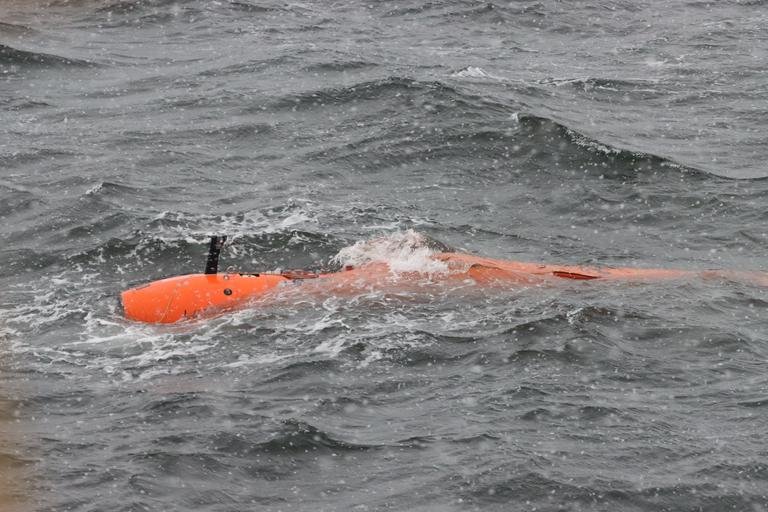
214,249
573,275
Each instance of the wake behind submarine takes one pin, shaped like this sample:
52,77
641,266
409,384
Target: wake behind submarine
190,296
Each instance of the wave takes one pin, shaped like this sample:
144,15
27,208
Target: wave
611,90
551,491
134,6
176,405
638,89
248,7
146,13
339,65
488,12
186,464
31,156
13,201
13,30
122,13
232,133
290,436
373,89
17,104
584,413
467,127
573,147
248,67
131,6
11,57
601,83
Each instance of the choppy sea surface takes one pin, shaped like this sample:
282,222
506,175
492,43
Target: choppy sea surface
622,133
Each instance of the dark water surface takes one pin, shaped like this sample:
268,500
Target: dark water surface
620,133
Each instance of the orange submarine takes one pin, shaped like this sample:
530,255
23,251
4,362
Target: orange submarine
194,295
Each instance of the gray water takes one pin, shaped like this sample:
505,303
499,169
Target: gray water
616,133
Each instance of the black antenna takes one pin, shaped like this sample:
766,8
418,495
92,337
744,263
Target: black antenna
212,264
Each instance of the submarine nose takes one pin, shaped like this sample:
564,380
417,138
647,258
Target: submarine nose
147,303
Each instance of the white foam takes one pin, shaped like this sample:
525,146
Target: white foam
472,72
245,360
589,144
174,226
405,251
